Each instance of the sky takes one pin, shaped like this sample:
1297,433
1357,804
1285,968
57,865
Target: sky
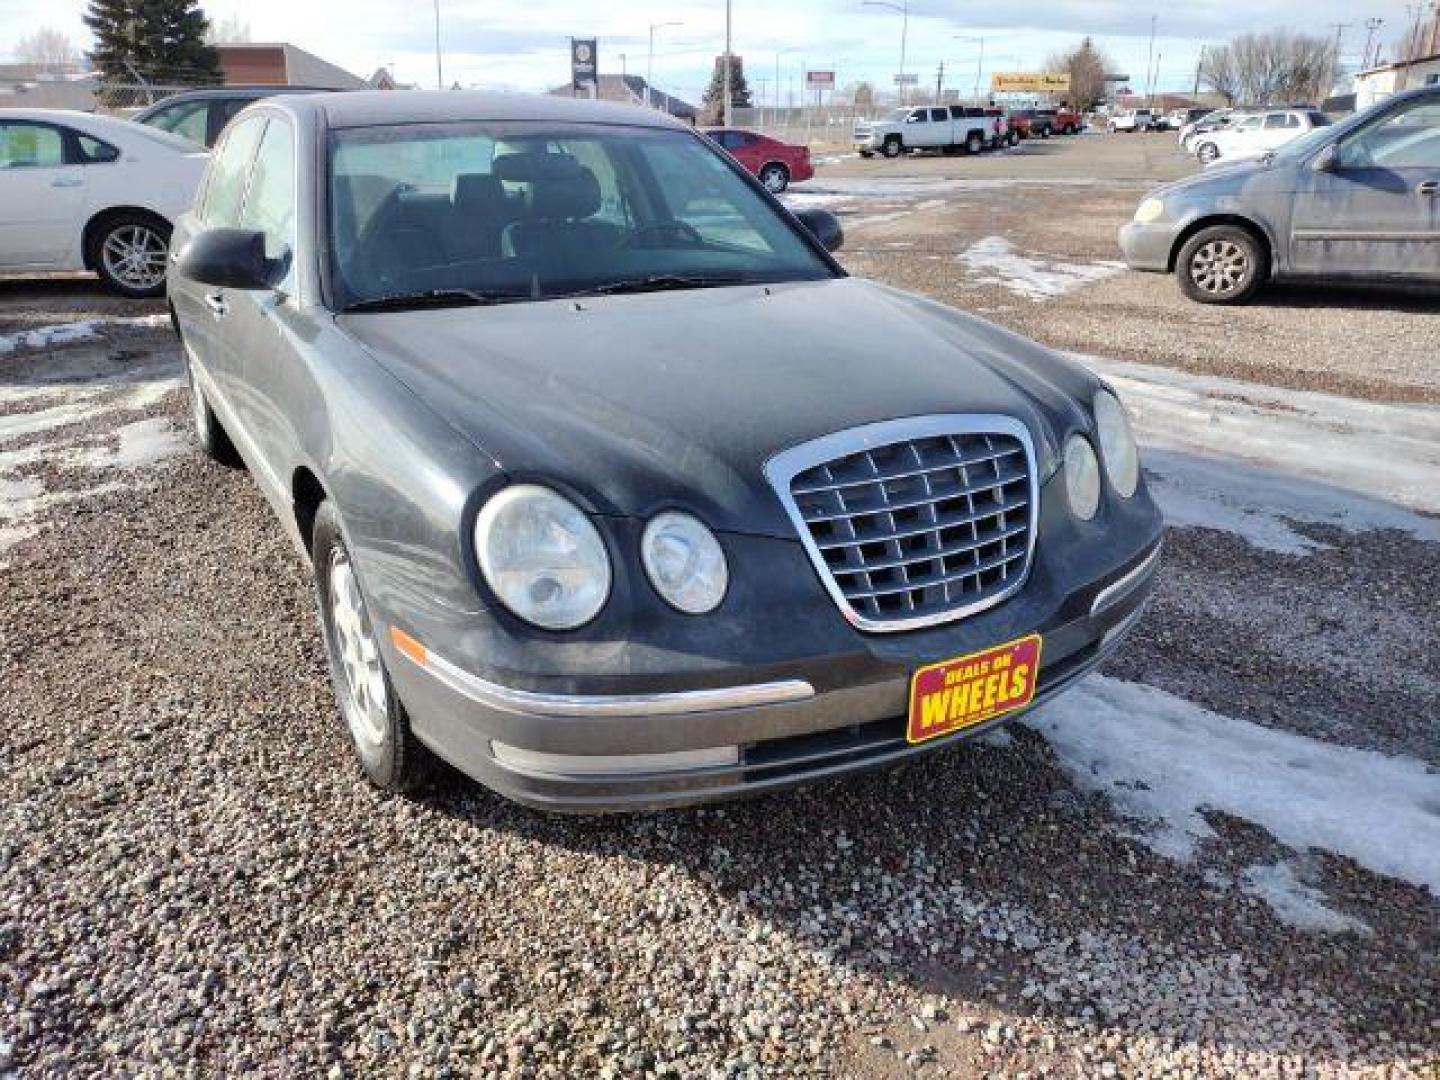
524,46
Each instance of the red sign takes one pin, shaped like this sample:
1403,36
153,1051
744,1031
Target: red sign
960,693
820,78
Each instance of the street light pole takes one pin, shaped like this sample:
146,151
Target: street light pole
728,120
650,58
904,9
439,73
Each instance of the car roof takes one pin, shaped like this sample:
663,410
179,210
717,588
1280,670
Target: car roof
370,108
66,116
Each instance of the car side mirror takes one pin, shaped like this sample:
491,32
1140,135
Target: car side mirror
229,259
1328,160
825,227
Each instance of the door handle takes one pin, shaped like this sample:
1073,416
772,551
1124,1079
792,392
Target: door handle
1428,187
66,181
215,301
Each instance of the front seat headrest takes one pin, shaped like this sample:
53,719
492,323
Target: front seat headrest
560,187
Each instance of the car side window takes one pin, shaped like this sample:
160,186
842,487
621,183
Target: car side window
270,199
30,146
95,152
916,117
939,116
1408,138
187,120
1276,120
225,187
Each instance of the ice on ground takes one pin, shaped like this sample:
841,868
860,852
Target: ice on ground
46,337
1295,903
1382,453
1163,760
1038,277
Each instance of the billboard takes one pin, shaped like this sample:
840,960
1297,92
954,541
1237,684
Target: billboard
1030,82
907,80
819,79
583,65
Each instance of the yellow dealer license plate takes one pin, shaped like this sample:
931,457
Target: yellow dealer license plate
960,693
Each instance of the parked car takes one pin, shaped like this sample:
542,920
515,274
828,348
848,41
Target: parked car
200,115
576,526
1031,123
949,129
1065,120
85,192
1355,201
1131,120
774,163
1257,134
1217,120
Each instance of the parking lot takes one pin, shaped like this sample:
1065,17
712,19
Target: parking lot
1219,857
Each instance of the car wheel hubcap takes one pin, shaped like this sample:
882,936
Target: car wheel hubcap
1219,266
774,180
361,675
135,256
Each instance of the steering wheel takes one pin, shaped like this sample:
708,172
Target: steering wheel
677,229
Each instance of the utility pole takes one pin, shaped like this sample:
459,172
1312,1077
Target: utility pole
939,80
1150,64
727,121
650,57
439,74
1334,66
1371,25
1199,66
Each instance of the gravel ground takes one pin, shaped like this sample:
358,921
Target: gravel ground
194,879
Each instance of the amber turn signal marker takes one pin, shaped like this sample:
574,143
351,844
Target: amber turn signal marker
409,646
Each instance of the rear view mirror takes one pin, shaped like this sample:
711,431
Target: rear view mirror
824,226
229,259
1328,159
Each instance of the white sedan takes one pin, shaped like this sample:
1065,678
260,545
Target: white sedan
84,192
1256,135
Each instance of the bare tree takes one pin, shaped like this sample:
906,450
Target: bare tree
1087,66
1265,68
228,30
48,49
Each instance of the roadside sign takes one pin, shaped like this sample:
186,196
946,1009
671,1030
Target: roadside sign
583,65
1034,82
820,78
907,80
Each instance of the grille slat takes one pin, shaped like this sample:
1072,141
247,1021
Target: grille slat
915,522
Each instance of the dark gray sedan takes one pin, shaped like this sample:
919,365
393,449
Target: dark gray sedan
617,490
1356,201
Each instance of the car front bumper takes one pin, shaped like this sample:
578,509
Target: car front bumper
1147,245
594,753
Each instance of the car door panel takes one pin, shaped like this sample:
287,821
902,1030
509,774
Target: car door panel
42,196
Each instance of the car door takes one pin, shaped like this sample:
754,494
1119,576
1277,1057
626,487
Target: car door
747,151
1371,206
259,322
42,195
200,309
917,128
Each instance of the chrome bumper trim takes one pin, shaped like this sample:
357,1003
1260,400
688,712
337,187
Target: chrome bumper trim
1111,593
678,703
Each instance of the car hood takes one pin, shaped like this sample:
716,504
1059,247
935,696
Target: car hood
632,403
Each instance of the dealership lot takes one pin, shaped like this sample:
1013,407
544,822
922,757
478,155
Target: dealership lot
1222,855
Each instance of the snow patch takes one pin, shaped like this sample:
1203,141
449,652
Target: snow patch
1295,903
1038,277
48,337
1163,760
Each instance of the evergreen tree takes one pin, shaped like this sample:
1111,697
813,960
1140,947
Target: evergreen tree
163,40
712,106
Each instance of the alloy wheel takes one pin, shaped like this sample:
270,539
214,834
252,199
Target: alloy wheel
134,255
1219,267
364,699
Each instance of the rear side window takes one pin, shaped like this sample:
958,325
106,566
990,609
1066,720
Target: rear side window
940,116
270,201
188,120
95,152
225,188
24,146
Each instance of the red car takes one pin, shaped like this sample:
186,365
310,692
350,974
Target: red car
774,163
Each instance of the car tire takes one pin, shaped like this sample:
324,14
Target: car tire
1207,152
1069,129
1013,139
892,146
867,154
1044,133
130,253
974,144
389,754
1224,264
209,432
775,177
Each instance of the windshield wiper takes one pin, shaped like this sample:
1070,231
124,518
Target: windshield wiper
435,298
660,283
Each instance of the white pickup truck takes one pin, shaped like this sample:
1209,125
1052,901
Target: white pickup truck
948,128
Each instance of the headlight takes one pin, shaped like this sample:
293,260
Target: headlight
542,557
1150,210
1082,477
1117,444
684,562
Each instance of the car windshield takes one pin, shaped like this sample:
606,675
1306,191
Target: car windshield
897,114
473,212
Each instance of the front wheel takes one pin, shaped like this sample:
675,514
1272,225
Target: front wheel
892,147
974,144
1207,153
390,755
1044,133
129,252
775,177
867,154
1224,264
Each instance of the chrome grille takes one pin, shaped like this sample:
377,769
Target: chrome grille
914,522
